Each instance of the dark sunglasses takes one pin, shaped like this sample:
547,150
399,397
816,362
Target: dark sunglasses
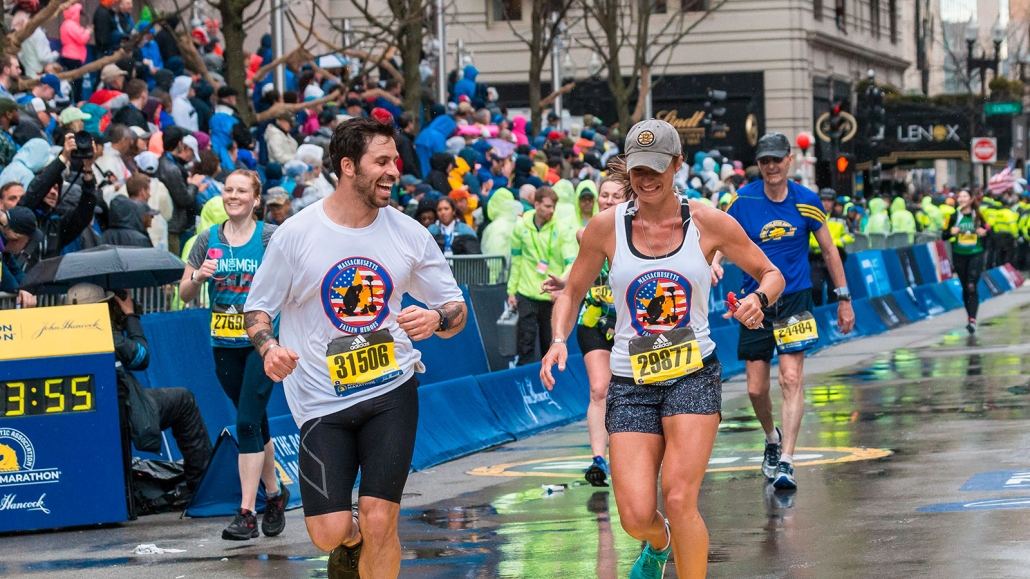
768,160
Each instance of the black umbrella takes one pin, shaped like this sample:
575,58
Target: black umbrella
108,266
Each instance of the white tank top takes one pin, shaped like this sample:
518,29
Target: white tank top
655,295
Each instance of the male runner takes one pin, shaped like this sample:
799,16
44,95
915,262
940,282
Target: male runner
778,215
335,274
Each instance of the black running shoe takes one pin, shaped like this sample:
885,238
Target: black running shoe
243,527
597,474
772,457
274,520
343,562
971,326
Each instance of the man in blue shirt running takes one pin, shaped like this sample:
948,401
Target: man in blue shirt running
778,215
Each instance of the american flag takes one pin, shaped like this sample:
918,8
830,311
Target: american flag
343,282
671,290
1003,181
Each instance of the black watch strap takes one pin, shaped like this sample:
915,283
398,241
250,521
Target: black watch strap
445,324
762,298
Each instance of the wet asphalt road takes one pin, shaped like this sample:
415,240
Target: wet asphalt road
915,463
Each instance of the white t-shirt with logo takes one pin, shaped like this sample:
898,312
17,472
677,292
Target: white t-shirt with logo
328,282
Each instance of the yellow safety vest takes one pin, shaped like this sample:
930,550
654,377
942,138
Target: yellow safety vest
838,231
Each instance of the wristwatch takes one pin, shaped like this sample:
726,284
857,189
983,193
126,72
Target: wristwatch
762,298
445,324
559,341
843,294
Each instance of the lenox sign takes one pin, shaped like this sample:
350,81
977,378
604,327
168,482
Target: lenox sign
929,133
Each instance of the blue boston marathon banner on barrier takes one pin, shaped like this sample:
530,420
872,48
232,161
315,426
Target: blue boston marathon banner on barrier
220,493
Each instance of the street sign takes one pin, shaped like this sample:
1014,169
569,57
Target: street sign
1011,108
985,150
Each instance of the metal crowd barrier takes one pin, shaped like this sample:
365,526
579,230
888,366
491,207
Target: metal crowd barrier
478,269
150,299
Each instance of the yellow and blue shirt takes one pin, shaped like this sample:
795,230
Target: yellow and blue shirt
780,229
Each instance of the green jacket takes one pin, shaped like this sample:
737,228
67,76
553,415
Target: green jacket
879,221
902,219
933,214
554,243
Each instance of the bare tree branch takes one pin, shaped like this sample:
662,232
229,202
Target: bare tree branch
12,44
280,108
547,100
382,60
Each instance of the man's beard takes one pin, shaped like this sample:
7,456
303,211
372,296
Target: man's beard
365,187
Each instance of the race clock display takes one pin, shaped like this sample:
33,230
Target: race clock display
43,396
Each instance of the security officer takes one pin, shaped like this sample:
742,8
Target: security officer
839,232
1005,232
1023,227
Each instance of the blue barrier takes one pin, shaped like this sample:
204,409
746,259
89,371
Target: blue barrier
219,492
929,300
896,272
999,278
525,407
909,304
926,263
866,318
454,420
437,352
726,339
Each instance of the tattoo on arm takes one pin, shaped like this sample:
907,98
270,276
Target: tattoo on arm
251,319
261,338
259,326
455,313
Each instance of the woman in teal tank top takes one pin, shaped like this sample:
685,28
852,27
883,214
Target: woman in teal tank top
227,256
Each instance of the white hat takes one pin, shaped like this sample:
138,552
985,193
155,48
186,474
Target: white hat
146,162
191,142
86,293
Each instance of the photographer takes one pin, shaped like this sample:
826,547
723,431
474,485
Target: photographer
174,408
43,193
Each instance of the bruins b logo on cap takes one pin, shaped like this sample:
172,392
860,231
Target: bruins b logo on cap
645,138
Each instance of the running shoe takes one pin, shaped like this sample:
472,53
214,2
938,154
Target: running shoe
242,528
772,457
651,562
971,326
343,562
598,472
785,476
274,520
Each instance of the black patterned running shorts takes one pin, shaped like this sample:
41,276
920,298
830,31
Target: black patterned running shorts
640,408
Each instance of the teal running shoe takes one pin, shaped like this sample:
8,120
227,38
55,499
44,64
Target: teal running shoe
651,562
598,473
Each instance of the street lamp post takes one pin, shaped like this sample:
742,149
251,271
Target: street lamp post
983,64
556,73
441,62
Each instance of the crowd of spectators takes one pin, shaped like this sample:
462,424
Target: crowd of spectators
164,138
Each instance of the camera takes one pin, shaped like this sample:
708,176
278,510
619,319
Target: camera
83,146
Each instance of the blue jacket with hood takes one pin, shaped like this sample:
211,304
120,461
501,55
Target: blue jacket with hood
433,139
467,85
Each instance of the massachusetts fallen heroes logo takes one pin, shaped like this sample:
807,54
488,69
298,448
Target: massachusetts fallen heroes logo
356,295
659,301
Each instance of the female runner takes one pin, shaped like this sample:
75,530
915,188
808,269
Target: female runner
665,397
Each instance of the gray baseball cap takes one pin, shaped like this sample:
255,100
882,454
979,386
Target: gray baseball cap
772,145
652,144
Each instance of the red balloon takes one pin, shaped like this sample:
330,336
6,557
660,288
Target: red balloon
804,140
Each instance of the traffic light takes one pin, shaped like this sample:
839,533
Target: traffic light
843,173
877,114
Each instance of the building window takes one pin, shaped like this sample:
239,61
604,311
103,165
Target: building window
694,5
892,7
654,6
841,15
817,9
503,10
874,17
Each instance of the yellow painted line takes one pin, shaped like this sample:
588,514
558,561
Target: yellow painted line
856,454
